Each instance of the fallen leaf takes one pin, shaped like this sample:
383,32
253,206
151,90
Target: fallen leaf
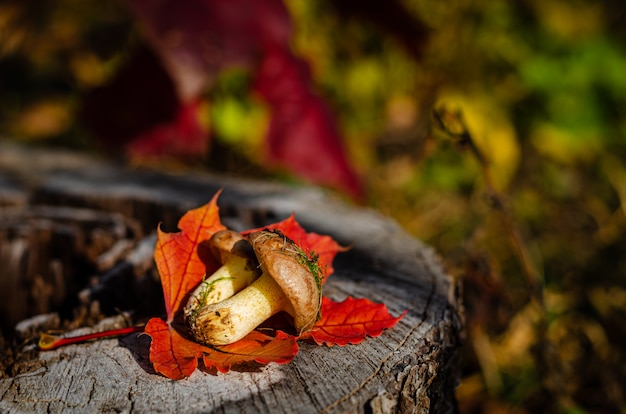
254,347
171,354
350,321
182,263
176,357
180,257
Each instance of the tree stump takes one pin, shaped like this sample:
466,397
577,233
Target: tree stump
412,367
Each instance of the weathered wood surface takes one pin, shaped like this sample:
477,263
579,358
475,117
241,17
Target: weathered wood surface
410,368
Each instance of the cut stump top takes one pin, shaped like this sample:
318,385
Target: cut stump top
409,368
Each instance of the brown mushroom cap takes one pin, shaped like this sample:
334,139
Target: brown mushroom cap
228,242
283,260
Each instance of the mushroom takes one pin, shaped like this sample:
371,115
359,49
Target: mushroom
239,269
290,282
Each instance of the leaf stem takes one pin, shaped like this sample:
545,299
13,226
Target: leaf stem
49,342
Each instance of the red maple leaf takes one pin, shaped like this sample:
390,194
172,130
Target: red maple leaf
180,258
350,321
183,136
171,354
191,42
256,346
303,135
183,260
176,357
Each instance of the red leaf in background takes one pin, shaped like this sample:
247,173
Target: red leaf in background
198,38
138,98
303,135
177,254
350,321
324,246
139,111
183,136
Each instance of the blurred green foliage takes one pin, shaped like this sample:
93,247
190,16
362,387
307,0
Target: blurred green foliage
542,88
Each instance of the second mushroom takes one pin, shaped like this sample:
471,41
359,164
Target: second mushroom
289,281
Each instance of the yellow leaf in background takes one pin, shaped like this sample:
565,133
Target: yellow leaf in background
608,300
402,112
565,146
569,19
364,79
491,128
42,120
88,69
512,349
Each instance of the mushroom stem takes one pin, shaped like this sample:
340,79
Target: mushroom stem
229,279
230,320
239,269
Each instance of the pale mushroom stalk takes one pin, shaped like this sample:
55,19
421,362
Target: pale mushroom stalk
239,269
225,282
289,282
231,319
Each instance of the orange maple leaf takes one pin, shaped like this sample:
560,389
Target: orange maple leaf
350,321
176,357
180,257
171,354
256,346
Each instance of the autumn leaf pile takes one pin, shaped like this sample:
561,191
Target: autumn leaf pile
183,260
